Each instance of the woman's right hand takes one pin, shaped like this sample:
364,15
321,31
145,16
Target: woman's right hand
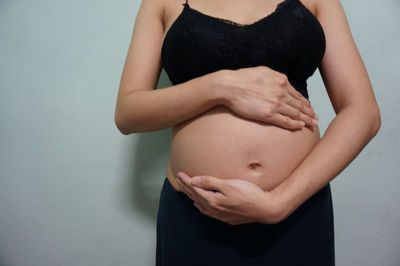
263,94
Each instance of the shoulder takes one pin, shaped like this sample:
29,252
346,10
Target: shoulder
322,6
156,7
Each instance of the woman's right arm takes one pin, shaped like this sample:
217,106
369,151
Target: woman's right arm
258,93
150,110
139,107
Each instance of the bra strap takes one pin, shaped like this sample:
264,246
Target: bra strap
185,4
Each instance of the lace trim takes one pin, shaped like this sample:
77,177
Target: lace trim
238,24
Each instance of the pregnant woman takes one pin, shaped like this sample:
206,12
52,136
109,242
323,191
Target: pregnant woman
248,174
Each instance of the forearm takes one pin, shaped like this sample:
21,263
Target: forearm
348,133
152,110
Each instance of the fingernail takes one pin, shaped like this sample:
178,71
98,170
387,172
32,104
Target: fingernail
316,117
196,180
302,124
315,122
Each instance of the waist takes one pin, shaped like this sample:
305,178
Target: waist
223,144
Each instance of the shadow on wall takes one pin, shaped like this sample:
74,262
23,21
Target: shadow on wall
149,166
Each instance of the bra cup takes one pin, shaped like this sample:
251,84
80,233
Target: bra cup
289,40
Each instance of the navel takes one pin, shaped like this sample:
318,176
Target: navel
254,165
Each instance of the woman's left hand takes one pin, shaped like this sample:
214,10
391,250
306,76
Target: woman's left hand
234,201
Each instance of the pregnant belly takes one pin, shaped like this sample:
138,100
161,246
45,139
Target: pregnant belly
223,144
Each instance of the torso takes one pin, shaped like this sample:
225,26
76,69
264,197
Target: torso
221,143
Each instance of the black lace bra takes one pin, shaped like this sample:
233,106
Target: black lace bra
290,40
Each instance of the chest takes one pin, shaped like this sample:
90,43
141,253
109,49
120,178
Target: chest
289,40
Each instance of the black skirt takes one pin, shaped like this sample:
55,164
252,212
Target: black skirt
186,237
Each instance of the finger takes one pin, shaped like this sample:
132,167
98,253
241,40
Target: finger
201,208
196,194
296,94
210,213
184,181
206,186
204,210
299,104
208,182
295,114
286,122
210,188
305,107
186,189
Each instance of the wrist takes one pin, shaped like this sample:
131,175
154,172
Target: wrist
287,198
220,86
273,208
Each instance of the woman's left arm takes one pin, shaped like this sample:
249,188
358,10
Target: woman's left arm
356,122
357,118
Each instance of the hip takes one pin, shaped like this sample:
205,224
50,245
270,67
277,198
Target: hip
306,237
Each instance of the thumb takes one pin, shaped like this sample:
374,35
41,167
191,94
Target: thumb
207,182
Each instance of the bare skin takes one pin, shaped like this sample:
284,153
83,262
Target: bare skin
356,122
223,141
223,144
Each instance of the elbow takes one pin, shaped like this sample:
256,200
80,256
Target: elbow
120,125
376,122
123,131
120,128
124,127
125,121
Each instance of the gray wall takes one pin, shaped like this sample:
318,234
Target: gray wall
74,191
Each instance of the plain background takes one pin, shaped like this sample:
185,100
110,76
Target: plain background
75,191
